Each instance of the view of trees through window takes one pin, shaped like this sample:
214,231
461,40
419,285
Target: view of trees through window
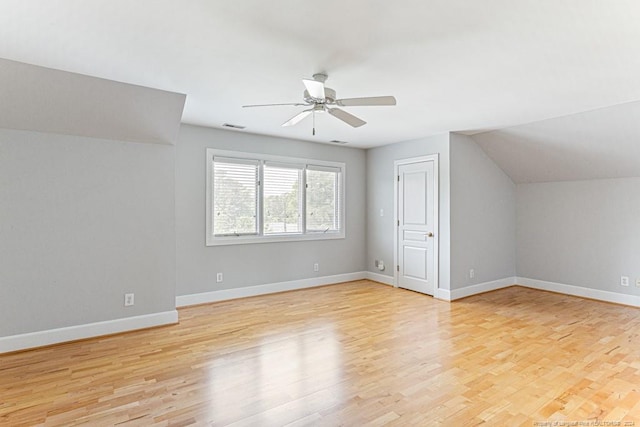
282,200
322,192
239,210
235,204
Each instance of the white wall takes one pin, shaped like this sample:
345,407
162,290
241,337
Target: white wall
82,221
580,233
380,185
262,263
483,216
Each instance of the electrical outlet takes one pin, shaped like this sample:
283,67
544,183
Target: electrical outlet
128,300
316,267
219,277
472,273
624,281
637,283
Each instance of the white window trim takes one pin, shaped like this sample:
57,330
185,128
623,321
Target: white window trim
212,240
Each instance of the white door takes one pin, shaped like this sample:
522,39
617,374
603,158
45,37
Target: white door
417,225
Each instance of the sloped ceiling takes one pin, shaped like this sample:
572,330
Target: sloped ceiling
454,65
603,143
45,100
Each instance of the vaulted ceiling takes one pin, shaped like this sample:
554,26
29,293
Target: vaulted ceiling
453,65
603,143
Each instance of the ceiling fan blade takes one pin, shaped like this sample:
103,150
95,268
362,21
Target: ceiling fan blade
272,105
297,118
372,100
348,118
315,88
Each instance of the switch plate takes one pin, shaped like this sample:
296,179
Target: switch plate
624,281
219,277
316,267
472,273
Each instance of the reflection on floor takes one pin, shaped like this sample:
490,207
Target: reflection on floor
349,354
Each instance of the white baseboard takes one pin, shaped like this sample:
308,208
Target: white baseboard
578,291
380,278
481,288
90,330
443,294
270,288
452,295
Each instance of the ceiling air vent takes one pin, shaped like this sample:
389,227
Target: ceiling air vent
232,126
335,141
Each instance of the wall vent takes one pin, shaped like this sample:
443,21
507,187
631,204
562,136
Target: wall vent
232,126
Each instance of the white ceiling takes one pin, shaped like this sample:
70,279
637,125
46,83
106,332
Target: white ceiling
453,65
603,143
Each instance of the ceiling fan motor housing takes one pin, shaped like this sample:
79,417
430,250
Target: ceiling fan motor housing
329,97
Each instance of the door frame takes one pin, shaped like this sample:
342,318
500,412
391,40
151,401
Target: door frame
436,238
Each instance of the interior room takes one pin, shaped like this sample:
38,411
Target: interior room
337,213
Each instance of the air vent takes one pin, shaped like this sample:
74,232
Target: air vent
335,141
232,126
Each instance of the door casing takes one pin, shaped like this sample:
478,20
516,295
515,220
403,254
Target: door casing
436,243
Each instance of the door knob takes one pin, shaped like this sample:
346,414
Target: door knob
429,234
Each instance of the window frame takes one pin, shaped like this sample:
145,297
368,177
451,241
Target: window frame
261,237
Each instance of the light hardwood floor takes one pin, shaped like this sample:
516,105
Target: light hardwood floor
358,353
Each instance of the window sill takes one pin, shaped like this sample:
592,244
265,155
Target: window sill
243,240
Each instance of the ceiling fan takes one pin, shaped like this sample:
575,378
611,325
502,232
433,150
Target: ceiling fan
321,99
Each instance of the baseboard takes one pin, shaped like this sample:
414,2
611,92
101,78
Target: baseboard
380,278
578,291
452,295
270,288
443,294
89,330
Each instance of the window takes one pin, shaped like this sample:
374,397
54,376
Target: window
235,207
263,198
323,199
282,197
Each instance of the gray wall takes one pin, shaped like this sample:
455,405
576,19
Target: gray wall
483,216
83,221
581,233
261,263
380,185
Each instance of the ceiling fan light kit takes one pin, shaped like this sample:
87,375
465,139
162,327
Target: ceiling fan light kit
320,98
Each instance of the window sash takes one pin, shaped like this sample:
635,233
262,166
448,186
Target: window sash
282,199
323,205
235,197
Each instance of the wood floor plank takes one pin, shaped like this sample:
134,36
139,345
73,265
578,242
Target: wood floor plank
358,353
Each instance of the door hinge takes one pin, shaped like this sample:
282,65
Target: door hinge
398,178
398,223
397,267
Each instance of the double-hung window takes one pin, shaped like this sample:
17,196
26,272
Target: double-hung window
262,198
